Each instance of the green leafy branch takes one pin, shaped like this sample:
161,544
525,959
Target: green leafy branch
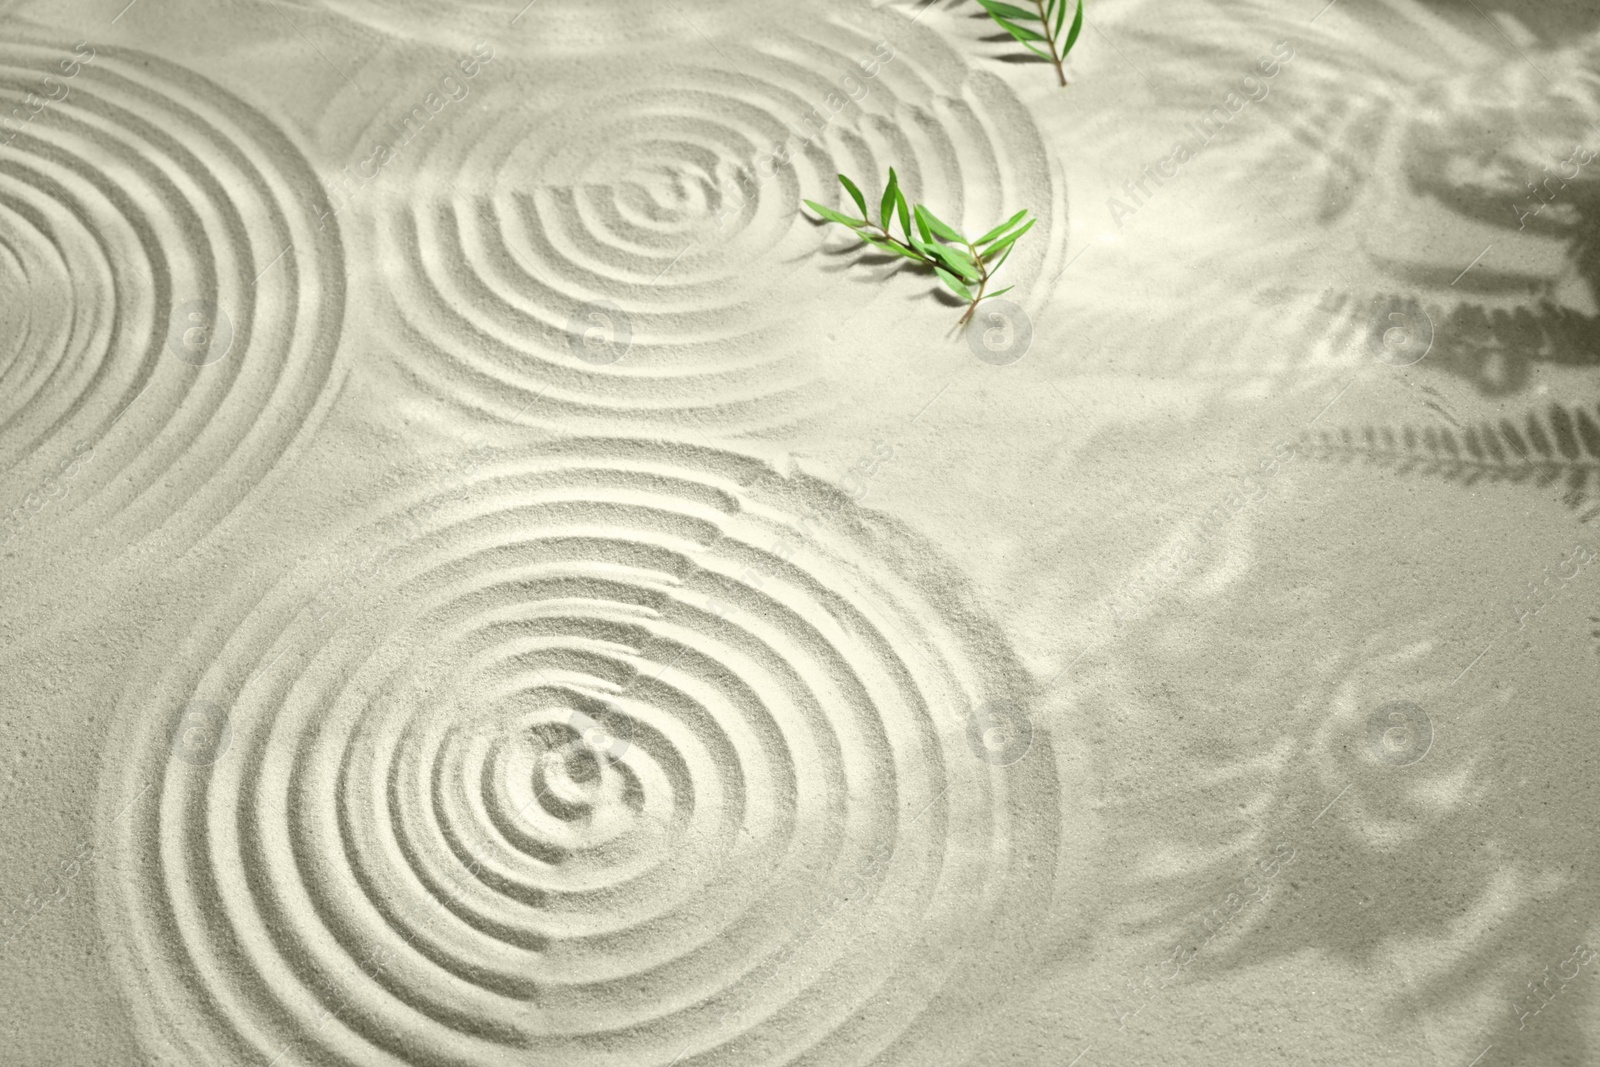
1012,18
964,266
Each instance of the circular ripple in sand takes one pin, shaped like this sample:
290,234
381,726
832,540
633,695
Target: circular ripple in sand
169,303
612,754
503,219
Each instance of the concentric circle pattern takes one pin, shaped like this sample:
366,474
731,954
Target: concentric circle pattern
614,754
146,215
672,192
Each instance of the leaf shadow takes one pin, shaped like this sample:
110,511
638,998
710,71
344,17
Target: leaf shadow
1562,444
1494,322
1467,856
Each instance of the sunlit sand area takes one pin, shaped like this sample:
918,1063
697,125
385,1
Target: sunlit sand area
494,569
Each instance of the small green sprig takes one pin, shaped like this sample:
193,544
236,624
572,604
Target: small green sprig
1011,19
966,267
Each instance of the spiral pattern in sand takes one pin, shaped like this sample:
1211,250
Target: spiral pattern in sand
165,287
621,754
640,249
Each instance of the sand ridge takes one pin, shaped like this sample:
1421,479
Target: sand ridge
180,316
624,243
587,769
420,743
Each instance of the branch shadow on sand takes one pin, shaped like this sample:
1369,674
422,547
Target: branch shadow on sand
1512,320
1520,174
1561,445
1449,855
847,259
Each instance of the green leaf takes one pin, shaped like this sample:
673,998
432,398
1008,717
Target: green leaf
1021,33
905,211
1010,11
1049,10
958,262
931,222
924,249
886,209
833,216
1002,228
1072,35
1008,240
954,283
887,247
922,226
855,194
997,292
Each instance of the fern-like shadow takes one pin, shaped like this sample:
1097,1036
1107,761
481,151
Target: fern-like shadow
1562,444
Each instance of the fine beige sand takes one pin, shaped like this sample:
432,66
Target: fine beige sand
485,579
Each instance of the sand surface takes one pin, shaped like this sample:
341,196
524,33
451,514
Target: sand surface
484,579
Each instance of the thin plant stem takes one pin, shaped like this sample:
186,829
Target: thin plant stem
983,283
983,268
1050,38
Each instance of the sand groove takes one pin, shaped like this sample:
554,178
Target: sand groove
169,305
670,195
619,754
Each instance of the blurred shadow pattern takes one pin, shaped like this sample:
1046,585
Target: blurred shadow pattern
1409,139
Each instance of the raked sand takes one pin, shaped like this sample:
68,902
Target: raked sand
487,580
